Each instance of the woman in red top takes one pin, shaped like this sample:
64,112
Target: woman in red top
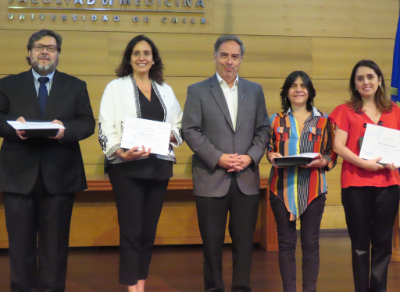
369,190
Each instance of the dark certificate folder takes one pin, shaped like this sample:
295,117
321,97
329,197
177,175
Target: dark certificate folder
40,133
295,160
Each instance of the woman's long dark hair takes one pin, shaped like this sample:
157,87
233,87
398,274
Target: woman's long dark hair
125,68
382,103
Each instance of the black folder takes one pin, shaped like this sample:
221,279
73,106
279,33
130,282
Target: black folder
292,161
40,133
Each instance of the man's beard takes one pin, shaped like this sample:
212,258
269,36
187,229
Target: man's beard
44,69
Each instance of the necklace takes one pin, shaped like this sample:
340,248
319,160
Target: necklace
143,88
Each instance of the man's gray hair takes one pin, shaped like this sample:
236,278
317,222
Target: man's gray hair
227,38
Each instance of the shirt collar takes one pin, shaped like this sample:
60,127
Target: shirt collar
37,75
314,112
221,81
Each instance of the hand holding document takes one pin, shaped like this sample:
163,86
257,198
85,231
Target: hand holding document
295,160
381,142
147,133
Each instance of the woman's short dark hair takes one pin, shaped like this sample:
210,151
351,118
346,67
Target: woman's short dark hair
382,103
125,68
286,105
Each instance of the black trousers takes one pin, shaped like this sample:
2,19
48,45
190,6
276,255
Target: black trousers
370,214
310,222
38,226
212,215
139,204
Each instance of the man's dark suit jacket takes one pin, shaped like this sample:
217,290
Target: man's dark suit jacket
60,161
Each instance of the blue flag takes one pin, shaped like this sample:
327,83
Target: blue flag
396,68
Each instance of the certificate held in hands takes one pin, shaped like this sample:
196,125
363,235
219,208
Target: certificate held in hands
382,142
147,133
36,129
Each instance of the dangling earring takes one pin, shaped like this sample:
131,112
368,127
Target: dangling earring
355,89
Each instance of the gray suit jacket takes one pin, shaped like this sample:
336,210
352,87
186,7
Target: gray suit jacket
208,130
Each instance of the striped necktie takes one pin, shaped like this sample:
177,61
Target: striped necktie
43,93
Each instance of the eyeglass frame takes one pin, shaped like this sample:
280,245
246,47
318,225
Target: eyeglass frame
45,46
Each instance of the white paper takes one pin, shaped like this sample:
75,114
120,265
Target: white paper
17,125
381,142
306,155
150,134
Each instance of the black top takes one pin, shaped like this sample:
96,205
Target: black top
152,167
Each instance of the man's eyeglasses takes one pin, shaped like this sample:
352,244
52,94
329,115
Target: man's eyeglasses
40,48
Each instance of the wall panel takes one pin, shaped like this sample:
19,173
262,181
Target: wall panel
334,58
322,18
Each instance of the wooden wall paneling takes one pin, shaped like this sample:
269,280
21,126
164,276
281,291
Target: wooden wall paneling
94,224
351,18
82,52
334,58
99,53
178,221
192,55
182,54
330,93
275,57
271,88
333,218
333,197
96,86
94,168
13,46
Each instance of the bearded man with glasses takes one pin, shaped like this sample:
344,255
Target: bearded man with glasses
40,172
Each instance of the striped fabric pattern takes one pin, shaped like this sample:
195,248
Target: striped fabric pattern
298,186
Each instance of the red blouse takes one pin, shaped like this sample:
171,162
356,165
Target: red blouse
346,119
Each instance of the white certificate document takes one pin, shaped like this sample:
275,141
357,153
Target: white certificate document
17,125
150,134
381,142
303,155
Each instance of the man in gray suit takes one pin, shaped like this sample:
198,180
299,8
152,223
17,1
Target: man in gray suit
226,125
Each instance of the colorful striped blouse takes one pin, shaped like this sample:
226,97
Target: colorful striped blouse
298,186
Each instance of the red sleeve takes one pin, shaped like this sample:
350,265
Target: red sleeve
340,117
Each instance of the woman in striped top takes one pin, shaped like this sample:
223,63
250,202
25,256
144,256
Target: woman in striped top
299,191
